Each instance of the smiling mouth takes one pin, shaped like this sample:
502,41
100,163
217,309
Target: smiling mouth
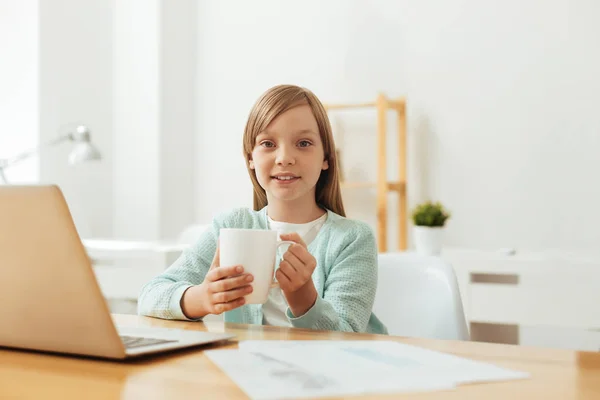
285,179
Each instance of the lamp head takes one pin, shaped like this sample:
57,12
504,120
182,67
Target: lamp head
84,150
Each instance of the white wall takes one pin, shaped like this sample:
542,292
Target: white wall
502,96
19,86
75,62
154,117
136,107
126,69
179,37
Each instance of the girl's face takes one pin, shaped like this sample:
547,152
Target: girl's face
288,156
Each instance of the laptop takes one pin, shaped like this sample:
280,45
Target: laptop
50,298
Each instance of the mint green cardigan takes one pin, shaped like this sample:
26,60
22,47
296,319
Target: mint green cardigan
345,276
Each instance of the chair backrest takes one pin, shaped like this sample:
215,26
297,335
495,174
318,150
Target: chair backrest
418,296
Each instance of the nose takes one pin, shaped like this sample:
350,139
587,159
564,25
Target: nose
285,156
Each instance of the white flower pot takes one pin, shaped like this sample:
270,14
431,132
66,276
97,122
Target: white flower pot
428,240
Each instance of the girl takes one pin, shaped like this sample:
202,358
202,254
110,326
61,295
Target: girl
327,279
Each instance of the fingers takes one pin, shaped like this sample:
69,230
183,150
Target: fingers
227,287
223,307
295,269
294,237
293,260
224,272
301,254
284,281
231,295
288,271
226,284
216,259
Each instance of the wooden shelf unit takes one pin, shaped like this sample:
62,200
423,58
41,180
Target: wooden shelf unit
382,184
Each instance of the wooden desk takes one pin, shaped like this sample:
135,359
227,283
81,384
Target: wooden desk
556,374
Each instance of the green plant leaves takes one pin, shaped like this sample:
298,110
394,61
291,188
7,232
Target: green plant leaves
430,214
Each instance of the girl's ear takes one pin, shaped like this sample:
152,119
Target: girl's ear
325,165
251,164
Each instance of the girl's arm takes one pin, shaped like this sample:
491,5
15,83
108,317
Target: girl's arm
161,297
349,291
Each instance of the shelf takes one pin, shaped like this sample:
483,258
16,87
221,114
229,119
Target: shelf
348,106
382,185
358,185
398,105
397,186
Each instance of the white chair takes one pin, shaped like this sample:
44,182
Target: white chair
418,296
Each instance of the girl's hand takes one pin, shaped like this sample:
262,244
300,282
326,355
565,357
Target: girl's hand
223,289
295,275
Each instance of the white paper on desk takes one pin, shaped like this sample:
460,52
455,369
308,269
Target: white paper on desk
264,377
385,358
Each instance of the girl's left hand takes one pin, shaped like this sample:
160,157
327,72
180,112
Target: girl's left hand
296,266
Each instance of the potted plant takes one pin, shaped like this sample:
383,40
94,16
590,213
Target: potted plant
429,219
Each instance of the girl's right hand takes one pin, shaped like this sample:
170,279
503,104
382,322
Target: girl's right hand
223,290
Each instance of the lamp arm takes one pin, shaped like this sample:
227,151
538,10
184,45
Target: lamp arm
26,154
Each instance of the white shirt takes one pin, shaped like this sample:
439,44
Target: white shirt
275,307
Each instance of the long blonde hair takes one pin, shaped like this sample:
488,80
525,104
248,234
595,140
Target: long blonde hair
269,106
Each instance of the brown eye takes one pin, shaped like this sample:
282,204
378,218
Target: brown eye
267,144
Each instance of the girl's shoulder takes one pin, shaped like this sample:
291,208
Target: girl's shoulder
348,225
241,217
347,230
346,240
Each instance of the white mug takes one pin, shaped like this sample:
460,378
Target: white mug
256,251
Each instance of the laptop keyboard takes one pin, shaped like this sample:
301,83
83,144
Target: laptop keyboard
132,342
